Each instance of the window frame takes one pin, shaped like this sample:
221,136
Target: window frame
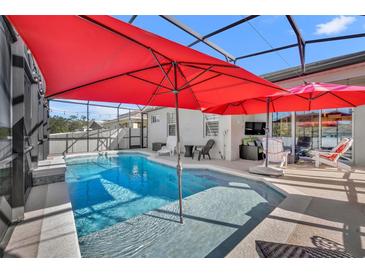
171,122
210,118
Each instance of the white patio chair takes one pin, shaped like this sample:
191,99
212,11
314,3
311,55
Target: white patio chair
276,153
170,146
332,157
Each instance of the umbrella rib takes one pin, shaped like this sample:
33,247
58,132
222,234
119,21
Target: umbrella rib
187,83
202,81
159,64
148,81
183,75
241,78
101,25
338,97
243,108
104,79
322,94
226,108
310,101
208,64
158,88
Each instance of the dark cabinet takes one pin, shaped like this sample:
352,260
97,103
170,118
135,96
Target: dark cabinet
251,152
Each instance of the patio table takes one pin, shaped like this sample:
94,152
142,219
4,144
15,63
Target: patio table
189,151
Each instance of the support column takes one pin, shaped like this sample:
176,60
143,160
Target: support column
293,136
18,186
34,125
267,131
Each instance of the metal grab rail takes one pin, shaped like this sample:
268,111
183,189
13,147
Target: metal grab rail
4,162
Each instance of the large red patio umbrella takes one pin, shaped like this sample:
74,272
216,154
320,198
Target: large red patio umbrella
306,97
310,96
100,58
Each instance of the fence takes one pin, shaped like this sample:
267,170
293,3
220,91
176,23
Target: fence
77,127
97,140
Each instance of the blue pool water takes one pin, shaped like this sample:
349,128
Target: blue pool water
108,190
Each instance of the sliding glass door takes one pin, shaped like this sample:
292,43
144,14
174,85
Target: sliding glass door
282,126
307,128
321,129
336,124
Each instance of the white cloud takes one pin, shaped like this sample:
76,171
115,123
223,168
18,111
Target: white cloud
336,25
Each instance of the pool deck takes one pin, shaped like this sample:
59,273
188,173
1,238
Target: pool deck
48,229
323,207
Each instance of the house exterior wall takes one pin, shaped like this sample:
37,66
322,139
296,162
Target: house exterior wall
23,124
231,131
192,131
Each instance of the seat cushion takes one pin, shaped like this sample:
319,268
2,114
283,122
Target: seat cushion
330,156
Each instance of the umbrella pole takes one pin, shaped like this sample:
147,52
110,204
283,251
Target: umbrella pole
265,169
179,165
267,131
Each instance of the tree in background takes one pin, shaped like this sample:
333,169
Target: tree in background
59,124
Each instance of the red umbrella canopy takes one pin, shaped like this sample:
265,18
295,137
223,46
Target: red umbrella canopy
310,96
100,58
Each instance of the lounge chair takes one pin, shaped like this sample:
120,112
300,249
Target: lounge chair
204,150
170,146
276,153
332,158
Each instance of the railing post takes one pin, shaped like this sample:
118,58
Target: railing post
130,130
66,143
118,127
97,139
141,129
87,127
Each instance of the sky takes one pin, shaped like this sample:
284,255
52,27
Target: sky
261,33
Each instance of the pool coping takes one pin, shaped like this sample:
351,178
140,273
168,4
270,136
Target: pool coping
268,230
48,229
154,158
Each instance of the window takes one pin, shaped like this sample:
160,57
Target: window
307,127
211,125
336,125
171,124
282,126
155,119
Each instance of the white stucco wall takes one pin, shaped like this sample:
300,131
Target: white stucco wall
231,131
359,136
191,129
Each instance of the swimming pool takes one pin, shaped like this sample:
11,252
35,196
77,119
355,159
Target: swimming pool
109,189
126,206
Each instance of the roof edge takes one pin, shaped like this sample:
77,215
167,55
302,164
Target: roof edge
315,67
